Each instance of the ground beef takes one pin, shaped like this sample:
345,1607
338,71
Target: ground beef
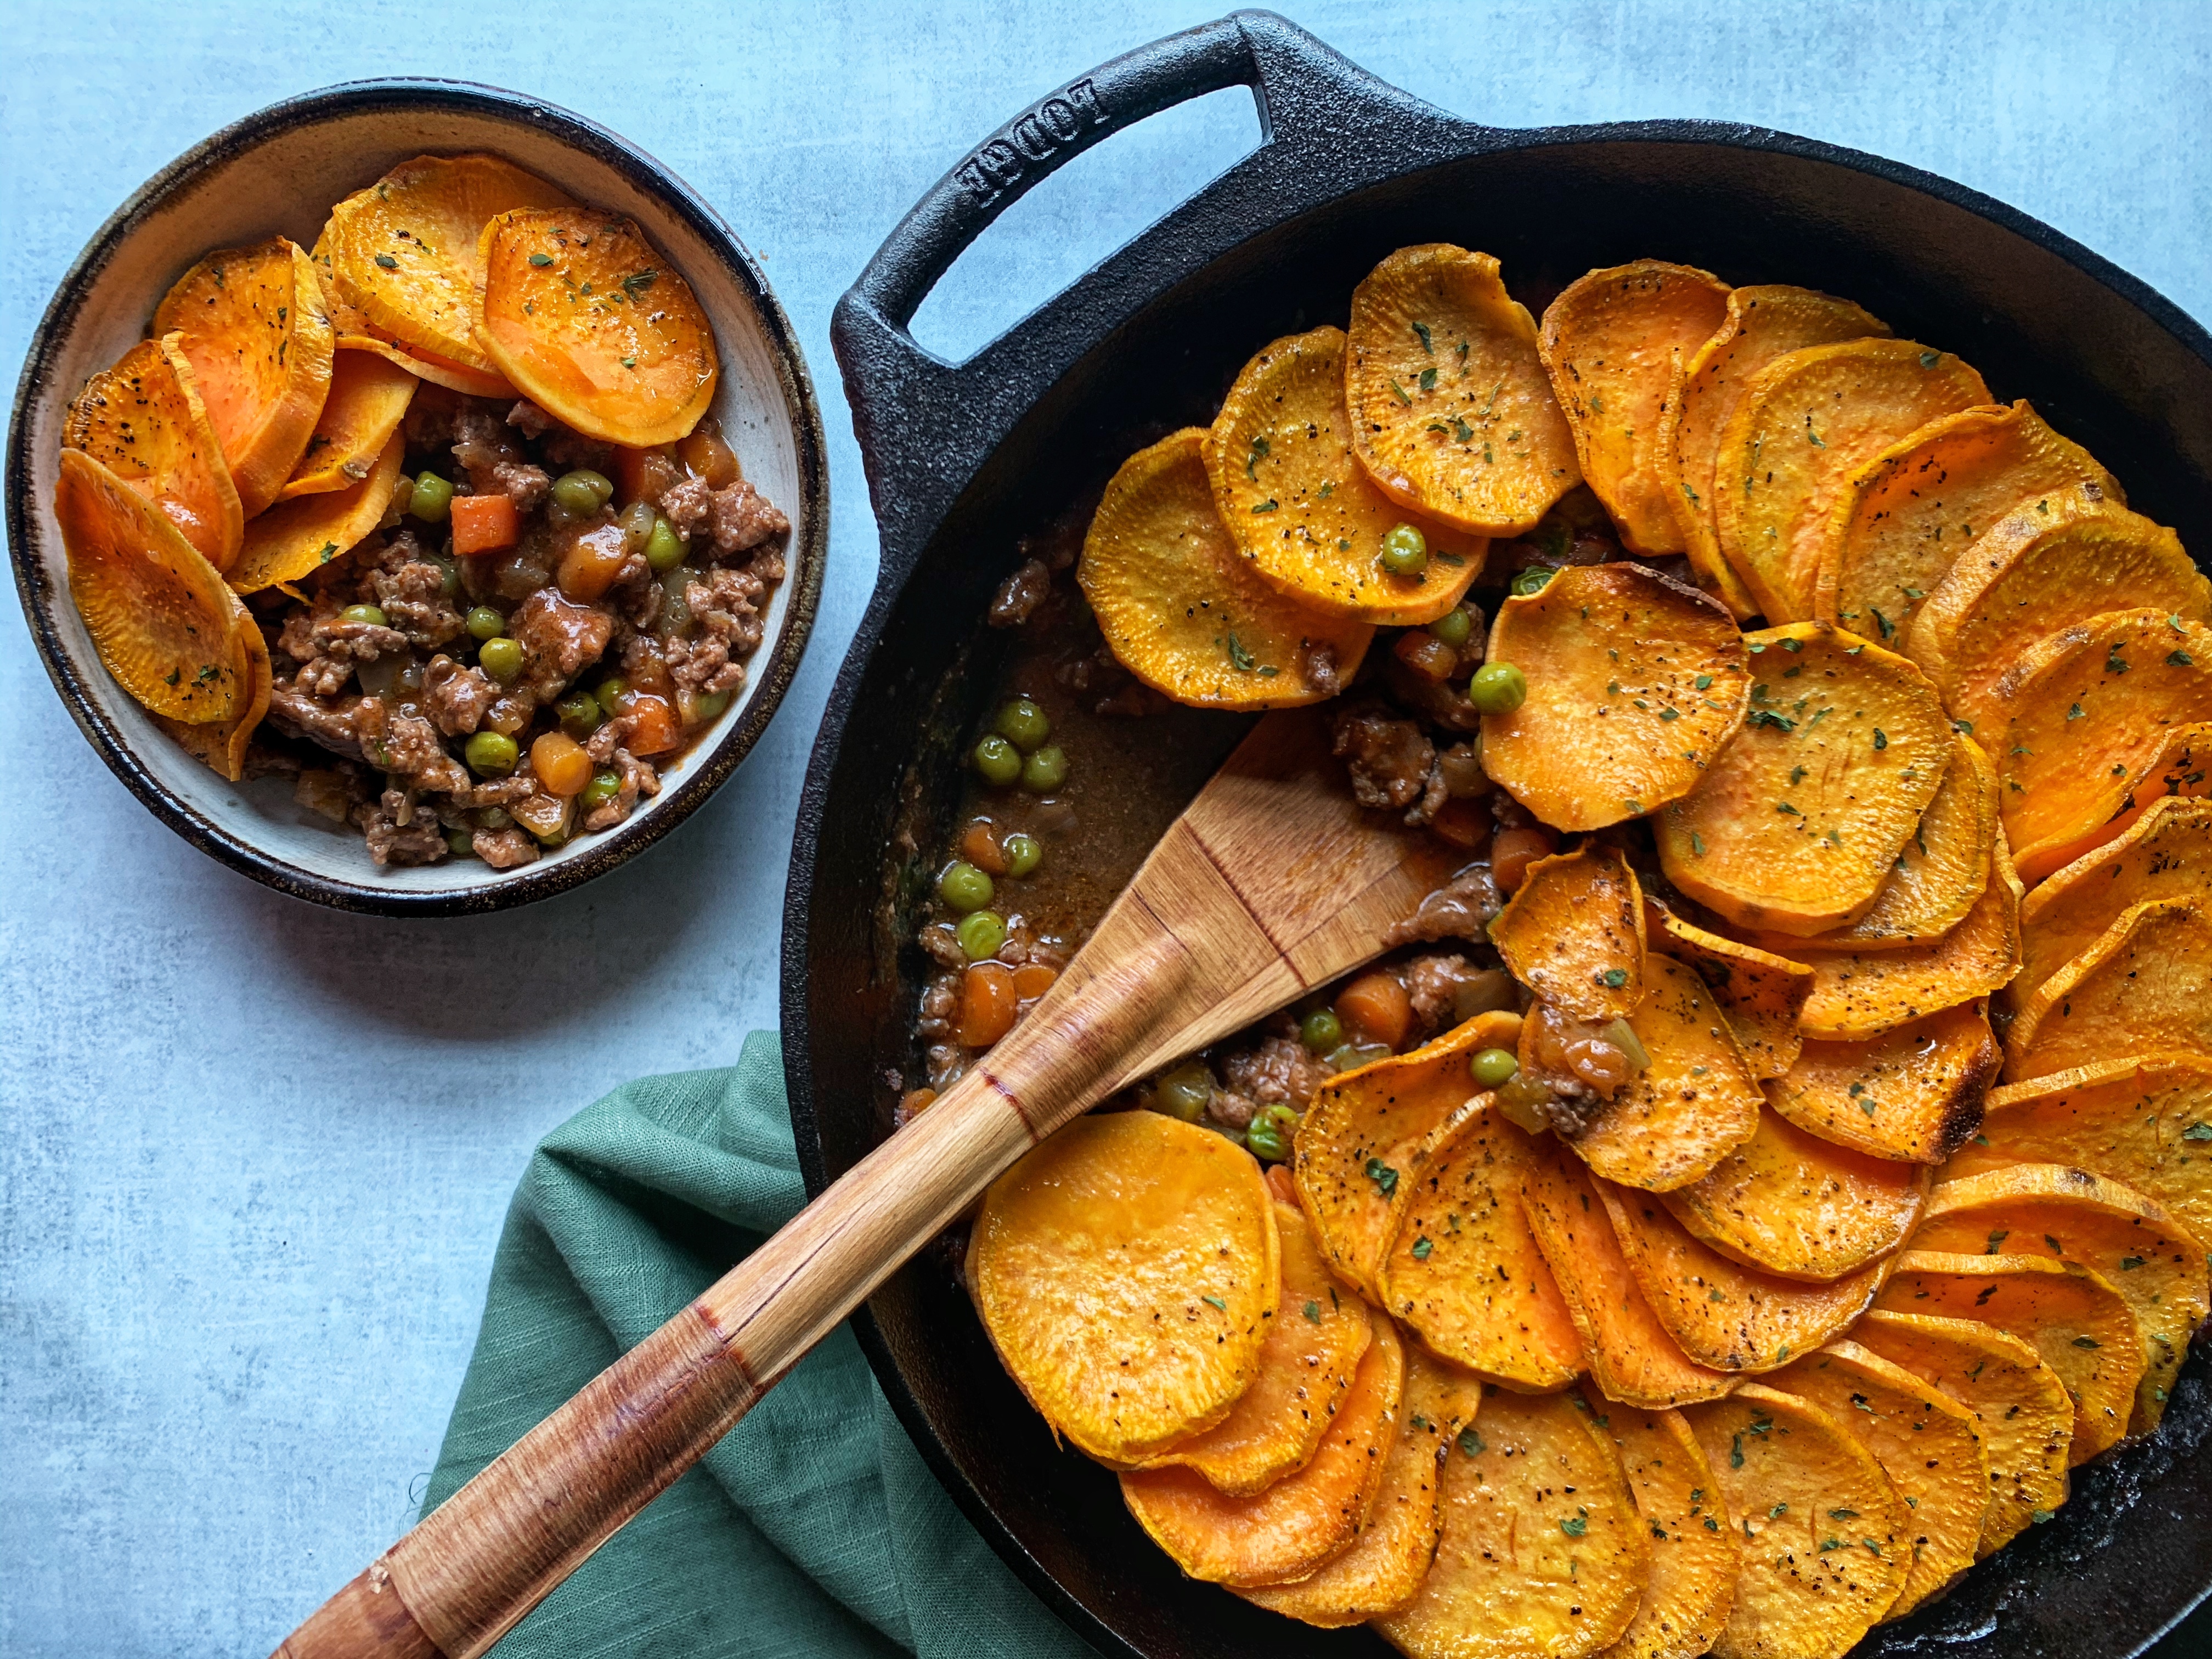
1230,1109
457,697
1463,907
412,596
1317,666
520,483
726,606
1281,1070
393,842
301,714
742,518
328,648
410,745
1391,761
687,503
480,443
530,421
503,849
941,946
572,450
559,638
1020,594
637,779
1434,794
1436,984
939,1003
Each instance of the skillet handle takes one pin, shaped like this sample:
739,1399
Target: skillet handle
925,424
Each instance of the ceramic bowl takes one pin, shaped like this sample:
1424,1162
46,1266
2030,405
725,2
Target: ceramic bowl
277,171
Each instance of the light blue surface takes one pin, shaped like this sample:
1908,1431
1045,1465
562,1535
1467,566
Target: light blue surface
253,1155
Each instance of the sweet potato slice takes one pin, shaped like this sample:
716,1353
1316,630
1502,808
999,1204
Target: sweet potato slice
1613,342
2086,714
1913,511
1927,1444
2142,1252
1695,1103
1313,1348
1451,413
1806,425
260,351
2145,1121
1761,324
1464,1271
1864,994
1694,1556
296,537
1635,684
406,253
1303,1519
1913,1093
1573,934
438,371
1797,1206
2165,854
1542,1555
1824,1554
1726,1315
2182,770
1128,1270
1761,994
2067,1313
1302,509
589,321
221,744
1797,824
2144,985
368,398
159,615
1390,1556
1943,867
1367,1131
1180,608
143,420
2049,564
1632,1358
2020,1406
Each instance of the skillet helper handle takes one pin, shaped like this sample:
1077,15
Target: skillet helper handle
457,1583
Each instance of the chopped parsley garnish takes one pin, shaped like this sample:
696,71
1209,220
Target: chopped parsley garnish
540,260
1216,1302
1421,1249
1427,344
1313,1312
1472,1444
1384,1177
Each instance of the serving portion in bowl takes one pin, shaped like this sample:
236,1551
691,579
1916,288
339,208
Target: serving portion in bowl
480,451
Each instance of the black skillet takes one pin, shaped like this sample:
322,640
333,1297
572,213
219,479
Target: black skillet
964,458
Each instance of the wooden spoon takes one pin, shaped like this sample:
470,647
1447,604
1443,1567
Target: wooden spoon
1271,883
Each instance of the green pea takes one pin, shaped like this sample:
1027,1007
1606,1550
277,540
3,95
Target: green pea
1494,1068
491,754
999,760
1269,1135
501,658
610,693
461,842
1497,688
1405,551
486,624
579,715
364,613
708,705
1453,628
664,548
432,498
980,933
494,818
1045,771
449,574
1532,580
1024,855
1321,1030
965,887
581,492
1023,724
1183,1092
603,788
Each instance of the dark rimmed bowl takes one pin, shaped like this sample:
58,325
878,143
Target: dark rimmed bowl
966,459
278,172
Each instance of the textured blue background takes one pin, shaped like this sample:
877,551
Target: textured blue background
252,1155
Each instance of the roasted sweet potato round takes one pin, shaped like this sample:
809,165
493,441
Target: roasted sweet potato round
2143,985
1573,934
307,532
1761,324
1759,993
1694,1554
143,420
1794,828
1636,684
159,615
1451,413
1302,509
1612,343
1182,610
368,398
1917,507
260,351
2165,854
438,371
1127,1271
1302,1521
1914,1092
221,744
1786,459
2182,768
593,323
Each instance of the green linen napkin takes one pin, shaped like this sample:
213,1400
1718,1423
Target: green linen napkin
814,1527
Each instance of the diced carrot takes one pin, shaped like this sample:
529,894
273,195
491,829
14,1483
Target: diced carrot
1032,980
1512,851
1281,1184
642,474
1375,1008
592,562
654,728
560,764
483,523
980,846
1424,653
706,454
1464,824
987,1004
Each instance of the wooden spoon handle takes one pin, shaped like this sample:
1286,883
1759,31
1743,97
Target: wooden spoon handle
469,1569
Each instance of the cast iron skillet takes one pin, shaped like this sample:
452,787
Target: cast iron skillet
964,458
